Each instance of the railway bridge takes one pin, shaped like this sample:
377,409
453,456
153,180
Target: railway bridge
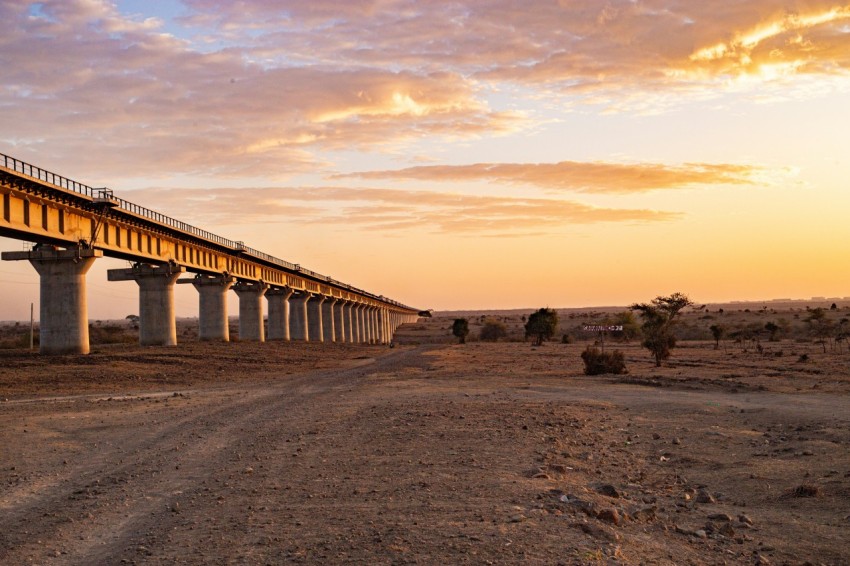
72,224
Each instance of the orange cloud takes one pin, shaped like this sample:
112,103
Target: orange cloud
387,209
594,177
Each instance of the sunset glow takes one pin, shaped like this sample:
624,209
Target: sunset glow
455,155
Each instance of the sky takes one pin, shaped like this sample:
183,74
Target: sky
454,155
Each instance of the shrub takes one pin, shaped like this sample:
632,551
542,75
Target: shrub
597,362
460,328
493,330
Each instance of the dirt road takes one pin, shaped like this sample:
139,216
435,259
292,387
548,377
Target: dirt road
416,455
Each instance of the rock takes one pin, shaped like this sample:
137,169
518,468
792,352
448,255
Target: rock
726,530
609,515
656,436
248,470
597,531
609,490
761,560
588,507
541,476
703,496
558,468
644,513
677,441
700,533
519,518
742,518
720,517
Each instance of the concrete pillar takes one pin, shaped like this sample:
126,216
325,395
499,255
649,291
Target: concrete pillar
339,321
349,322
157,320
299,318
212,312
278,299
356,317
251,324
382,325
364,334
63,307
314,318
370,324
328,319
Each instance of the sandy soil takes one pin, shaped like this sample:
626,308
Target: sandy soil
423,454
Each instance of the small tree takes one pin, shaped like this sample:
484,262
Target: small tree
541,325
493,330
630,330
659,317
820,326
772,331
460,329
717,331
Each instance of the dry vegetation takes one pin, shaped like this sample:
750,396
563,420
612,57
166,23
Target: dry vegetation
432,452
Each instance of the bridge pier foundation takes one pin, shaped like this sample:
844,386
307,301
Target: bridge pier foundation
314,318
279,314
157,321
342,322
299,318
212,312
251,327
329,319
63,306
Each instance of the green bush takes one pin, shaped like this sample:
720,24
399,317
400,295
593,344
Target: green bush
597,362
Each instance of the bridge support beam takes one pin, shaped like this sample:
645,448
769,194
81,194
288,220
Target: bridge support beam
346,322
63,307
157,320
251,327
329,309
212,312
279,315
314,318
300,319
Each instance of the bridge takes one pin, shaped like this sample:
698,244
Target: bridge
73,224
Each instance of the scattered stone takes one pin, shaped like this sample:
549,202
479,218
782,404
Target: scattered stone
559,468
720,517
609,515
248,470
677,441
726,530
703,496
700,533
541,476
804,490
517,518
761,560
742,518
597,531
644,513
656,436
609,490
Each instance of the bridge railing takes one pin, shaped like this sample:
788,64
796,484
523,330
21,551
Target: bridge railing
43,175
70,185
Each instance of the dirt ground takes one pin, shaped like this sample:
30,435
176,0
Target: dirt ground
426,453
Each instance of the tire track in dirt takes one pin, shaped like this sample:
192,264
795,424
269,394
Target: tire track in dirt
123,498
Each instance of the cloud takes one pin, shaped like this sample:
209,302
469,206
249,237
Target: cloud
150,102
592,177
387,209
611,46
